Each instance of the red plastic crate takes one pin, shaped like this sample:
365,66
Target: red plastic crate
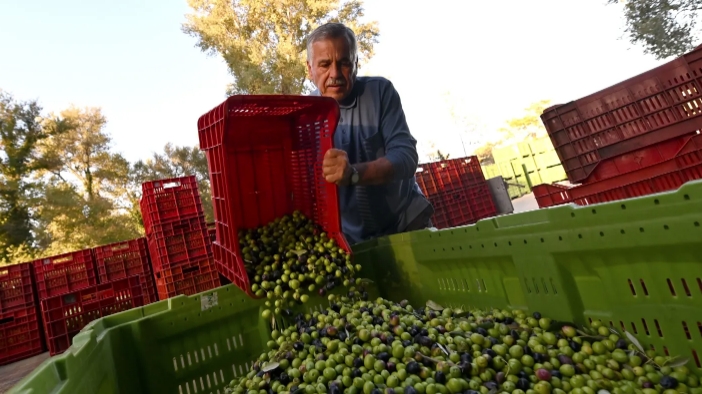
65,315
264,155
454,174
175,243
653,107
469,205
639,159
64,273
124,259
16,287
665,176
20,334
168,200
188,279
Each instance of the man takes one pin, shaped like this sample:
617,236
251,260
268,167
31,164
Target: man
374,157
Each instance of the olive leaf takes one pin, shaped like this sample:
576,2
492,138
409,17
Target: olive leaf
603,391
443,349
461,314
299,252
614,331
635,341
677,362
434,306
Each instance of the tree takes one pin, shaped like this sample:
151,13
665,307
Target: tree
175,162
85,186
264,43
665,28
484,153
21,132
529,125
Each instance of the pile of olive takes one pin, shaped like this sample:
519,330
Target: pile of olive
290,258
381,347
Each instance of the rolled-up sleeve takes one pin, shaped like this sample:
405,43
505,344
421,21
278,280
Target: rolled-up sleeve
400,146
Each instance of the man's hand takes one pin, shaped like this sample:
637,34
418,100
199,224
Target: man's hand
336,168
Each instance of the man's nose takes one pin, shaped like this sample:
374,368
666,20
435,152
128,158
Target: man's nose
335,71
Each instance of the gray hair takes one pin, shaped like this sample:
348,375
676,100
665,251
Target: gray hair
333,30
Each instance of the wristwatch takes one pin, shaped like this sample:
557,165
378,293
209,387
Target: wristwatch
354,176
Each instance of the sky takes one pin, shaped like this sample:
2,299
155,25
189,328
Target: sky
487,60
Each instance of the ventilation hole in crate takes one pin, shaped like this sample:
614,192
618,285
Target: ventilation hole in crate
580,236
623,206
686,196
687,330
526,284
438,280
484,286
671,288
601,234
631,287
175,364
542,240
652,347
221,375
696,358
452,248
572,214
470,246
641,229
656,201
543,282
697,224
465,284
622,231
553,286
509,243
560,238
643,286
536,287
699,327
182,361
645,326
687,289
495,244
482,246
623,326
443,249
665,227
525,241
633,328
658,328
699,284
460,248
665,351
589,319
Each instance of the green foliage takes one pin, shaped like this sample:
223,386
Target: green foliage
21,132
664,28
264,43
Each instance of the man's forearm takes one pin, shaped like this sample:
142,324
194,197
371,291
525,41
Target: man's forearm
376,172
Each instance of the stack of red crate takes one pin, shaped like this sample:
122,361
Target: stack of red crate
20,332
125,259
458,191
179,245
635,138
70,297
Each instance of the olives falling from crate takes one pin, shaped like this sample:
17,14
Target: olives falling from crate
291,258
382,347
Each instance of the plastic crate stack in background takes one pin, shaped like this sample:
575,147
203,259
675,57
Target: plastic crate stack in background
264,155
20,327
125,259
65,315
458,191
179,246
635,138
70,297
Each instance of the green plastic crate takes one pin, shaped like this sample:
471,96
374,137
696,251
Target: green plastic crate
635,264
524,149
506,153
547,159
541,145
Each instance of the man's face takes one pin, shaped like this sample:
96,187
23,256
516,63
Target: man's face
331,67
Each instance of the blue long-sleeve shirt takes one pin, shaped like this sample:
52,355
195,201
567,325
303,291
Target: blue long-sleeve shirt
373,125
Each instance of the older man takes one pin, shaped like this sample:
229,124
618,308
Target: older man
375,156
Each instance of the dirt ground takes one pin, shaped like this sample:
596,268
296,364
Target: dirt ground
13,373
